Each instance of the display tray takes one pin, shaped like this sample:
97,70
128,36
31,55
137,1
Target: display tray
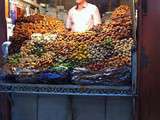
67,90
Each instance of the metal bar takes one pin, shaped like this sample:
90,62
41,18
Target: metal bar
67,90
134,49
145,7
134,108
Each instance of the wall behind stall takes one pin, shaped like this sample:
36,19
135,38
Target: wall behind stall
103,5
3,32
149,62
4,104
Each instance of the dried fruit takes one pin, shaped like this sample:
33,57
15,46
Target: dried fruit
104,46
26,26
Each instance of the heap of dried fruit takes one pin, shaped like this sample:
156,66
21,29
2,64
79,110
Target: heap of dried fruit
14,59
123,47
100,52
107,45
63,49
121,11
26,26
30,19
80,54
122,53
118,61
96,66
121,23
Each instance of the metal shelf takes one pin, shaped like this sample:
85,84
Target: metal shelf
67,90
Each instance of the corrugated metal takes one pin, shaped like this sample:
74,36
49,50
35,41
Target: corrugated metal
88,108
119,108
31,107
24,107
53,108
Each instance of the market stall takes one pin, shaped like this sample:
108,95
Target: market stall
45,58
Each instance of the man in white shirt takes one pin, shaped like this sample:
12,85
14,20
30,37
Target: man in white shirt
83,17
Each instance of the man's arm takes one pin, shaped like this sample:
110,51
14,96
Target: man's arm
69,21
96,17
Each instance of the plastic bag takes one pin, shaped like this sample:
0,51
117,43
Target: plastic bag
36,77
54,77
2,75
111,76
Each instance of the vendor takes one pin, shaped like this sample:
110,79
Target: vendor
83,17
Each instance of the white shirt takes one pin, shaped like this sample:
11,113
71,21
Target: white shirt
84,19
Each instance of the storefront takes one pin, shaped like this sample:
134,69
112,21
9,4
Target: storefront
53,73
